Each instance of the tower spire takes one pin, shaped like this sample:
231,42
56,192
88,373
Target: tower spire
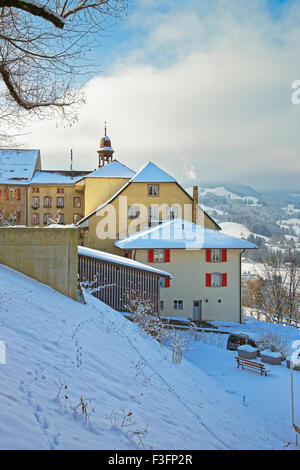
105,151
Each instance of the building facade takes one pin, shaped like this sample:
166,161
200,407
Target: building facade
205,267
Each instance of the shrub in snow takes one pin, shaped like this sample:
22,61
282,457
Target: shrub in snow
125,422
83,406
179,342
271,338
143,313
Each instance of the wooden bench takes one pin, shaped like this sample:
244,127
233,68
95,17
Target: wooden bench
251,365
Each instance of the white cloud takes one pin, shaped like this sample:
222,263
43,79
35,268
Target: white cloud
207,93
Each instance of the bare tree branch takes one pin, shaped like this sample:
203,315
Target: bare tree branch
36,9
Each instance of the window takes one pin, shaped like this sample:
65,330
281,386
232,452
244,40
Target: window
60,218
161,305
35,202
153,213
76,202
59,202
173,212
60,190
159,255
47,219
178,304
216,280
35,190
35,219
47,201
153,189
76,218
216,255
134,212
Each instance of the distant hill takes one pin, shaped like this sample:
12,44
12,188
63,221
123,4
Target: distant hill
271,215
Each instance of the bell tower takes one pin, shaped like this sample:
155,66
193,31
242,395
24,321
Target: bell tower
105,151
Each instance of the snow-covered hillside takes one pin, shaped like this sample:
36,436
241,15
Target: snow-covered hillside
54,341
223,192
234,229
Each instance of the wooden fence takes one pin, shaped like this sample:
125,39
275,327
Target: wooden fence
115,283
272,317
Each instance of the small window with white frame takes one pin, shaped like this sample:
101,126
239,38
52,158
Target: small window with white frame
216,255
47,219
161,305
47,201
216,279
35,219
60,218
159,255
35,202
178,304
60,202
153,190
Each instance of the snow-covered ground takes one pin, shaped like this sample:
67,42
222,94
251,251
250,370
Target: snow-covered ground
234,229
267,397
103,358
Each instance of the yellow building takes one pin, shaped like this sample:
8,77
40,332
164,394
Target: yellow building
54,198
113,207
119,202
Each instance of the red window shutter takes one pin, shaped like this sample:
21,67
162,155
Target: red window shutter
151,256
224,255
130,254
208,280
208,255
0,192
167,282
167,255
224,280
6,194
18,194
18,217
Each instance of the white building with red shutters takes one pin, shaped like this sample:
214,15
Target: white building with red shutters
205,265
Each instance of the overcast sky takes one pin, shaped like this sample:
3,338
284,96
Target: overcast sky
200,87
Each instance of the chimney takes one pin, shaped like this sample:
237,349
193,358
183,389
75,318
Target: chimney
195,204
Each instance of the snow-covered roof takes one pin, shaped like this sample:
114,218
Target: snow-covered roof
17,166
151,173
114,169
105,148
180,233
111,258
57,177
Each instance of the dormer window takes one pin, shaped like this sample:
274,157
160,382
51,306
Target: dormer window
153,190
